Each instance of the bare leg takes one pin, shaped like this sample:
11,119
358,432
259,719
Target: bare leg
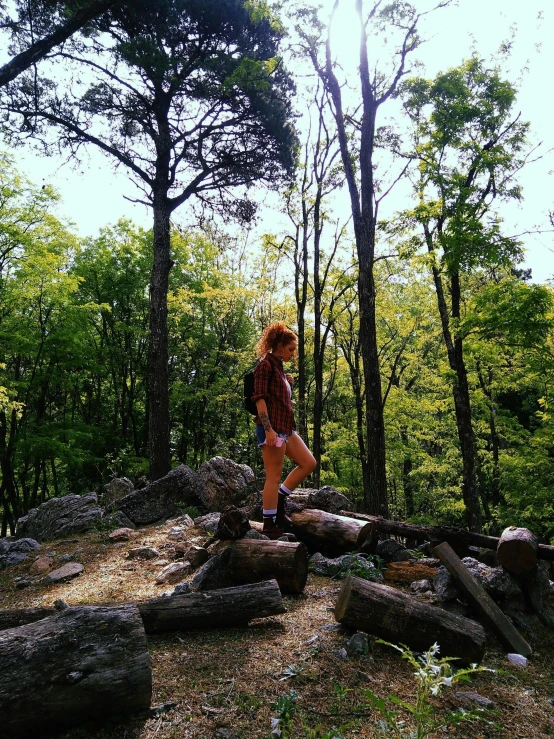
305,460
273,457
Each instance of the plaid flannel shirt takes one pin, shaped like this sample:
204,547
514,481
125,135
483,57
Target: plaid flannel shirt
270,384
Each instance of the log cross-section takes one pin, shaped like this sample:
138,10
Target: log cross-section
80,664
400,618
482,601
517,550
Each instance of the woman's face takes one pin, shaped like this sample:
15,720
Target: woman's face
287,351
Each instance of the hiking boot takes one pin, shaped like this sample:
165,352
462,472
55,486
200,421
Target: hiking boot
270,529
281,518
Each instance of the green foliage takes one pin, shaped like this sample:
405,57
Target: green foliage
422,718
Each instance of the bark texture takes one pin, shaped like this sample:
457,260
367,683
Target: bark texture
517,550
212,609
401,619
329,531
253,560
77,665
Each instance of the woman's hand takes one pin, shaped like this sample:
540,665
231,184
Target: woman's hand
290,378
270,437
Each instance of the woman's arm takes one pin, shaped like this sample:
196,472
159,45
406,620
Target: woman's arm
270,434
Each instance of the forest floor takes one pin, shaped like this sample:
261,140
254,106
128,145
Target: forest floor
226,682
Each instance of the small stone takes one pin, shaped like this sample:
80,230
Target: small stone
184,520
287,537
331,627
121,534
392,551
358,644
223,732
65,573
51,554
208,523
162,708
341,653
42,565
421,586
177,533
143,553
23,583
174,572
517,659
473,700
182,589
67,557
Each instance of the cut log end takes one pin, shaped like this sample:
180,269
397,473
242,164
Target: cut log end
517,550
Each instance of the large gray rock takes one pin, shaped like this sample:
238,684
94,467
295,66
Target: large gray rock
59,517
224,483
159,499
11,559
116,489
325,499
357,564
499,584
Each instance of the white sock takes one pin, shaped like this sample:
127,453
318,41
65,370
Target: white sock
268,513
284,490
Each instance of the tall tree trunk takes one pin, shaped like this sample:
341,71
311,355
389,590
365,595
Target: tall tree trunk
158,360
460,389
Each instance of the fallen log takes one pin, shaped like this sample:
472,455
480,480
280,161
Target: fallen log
252,560
401,619
482,602
337,534
517,550
12,618
213,608
77,665
407,572
437,534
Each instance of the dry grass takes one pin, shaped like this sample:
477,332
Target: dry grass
227,679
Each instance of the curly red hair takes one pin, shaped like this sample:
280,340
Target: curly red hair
276,333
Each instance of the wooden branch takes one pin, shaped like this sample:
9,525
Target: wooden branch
40,49
437,534
480,600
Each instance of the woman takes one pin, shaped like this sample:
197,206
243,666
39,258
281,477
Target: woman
275,427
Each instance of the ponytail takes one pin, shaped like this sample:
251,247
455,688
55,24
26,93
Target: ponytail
276,333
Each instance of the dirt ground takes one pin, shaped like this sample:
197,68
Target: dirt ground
225,683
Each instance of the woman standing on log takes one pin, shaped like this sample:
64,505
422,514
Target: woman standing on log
275,427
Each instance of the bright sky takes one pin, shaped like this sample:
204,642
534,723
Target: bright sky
93,195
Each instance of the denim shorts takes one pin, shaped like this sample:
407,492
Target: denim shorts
260,435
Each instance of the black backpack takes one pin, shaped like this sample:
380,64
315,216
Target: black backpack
247,402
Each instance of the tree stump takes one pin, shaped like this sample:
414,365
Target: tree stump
517,550
80,664
337,534
233,524
213,608
401,619
253,560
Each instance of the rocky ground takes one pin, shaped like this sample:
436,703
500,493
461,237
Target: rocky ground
231,683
